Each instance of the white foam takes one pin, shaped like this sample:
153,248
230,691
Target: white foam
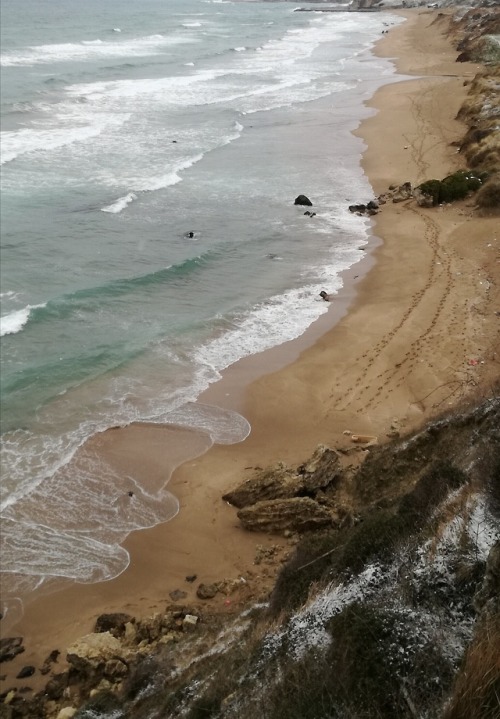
239,49
120,204
19,142
191,24
89,49
14,322
280,319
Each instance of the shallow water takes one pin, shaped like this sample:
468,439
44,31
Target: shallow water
126,128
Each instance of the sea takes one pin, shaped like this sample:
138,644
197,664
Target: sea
151,155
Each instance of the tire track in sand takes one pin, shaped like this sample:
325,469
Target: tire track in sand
439,268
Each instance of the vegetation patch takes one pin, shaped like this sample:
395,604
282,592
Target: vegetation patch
476,693
376,666
309,565
454,187
430,490
488,196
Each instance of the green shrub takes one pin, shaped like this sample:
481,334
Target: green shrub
454,187
432,189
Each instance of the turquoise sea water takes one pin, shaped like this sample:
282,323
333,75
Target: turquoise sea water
126,128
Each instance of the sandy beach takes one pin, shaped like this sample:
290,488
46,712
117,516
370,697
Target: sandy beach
403,342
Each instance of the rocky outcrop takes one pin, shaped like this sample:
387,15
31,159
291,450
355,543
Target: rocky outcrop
276,516
281,482
278,482
90,653
321,471
112,623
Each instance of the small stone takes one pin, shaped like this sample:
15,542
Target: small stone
191,577
10,696
189,622
26,671
130,632
177,594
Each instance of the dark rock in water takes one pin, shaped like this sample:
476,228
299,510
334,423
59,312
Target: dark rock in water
357,208
372,205
113,623
10,647
26,671
207,591
190,234
298,514
302,200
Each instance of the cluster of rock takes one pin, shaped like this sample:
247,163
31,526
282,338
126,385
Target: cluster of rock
395,193
282,500
100,661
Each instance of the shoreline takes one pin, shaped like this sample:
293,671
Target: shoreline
386,329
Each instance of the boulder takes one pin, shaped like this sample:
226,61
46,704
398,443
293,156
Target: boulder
422,199
302,200
403,192
56,685
10,647
275,483
89,654
207,591
150,628
112,623
298,514
323,469
357,208
47,664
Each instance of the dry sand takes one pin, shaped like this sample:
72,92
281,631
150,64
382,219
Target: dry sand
403,351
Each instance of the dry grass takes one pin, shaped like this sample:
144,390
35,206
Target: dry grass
476,694
488,196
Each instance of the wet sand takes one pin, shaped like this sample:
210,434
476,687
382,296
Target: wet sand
400,343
